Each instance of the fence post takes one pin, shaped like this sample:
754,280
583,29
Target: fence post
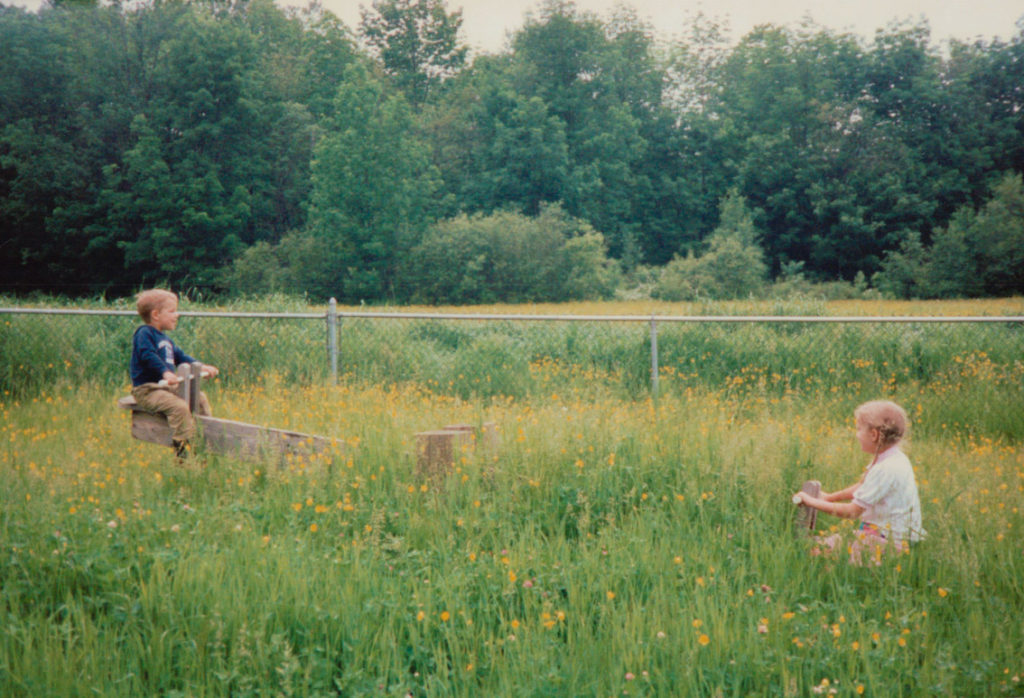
654,357
332,338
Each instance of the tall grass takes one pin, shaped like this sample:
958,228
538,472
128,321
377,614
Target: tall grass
612,544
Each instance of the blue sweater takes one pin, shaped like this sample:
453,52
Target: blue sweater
153,352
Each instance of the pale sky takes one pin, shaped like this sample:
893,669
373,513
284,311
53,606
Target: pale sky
486,23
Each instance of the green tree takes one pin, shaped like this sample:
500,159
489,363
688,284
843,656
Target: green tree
417,42
772,91
952,269
602,82
49,159
303,54
185,191
997,236
301,58
373,189
995,80
864,194
695,149
140,199
909,91
524,161
496,148
977,253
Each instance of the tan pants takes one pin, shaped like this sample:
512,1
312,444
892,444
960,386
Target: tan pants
153,398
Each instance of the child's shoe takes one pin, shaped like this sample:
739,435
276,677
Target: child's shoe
182,449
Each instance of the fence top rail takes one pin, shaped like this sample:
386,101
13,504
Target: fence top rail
687,318
183,313
558,318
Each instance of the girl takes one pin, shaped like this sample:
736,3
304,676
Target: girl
885,498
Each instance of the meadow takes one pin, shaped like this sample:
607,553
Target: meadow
614,543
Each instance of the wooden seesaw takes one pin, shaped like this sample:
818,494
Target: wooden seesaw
223,436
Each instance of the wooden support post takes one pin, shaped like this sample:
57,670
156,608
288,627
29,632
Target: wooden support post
184,389
807,517
193,391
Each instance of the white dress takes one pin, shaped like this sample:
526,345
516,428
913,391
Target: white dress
889,497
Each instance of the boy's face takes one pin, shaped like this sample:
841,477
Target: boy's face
165,317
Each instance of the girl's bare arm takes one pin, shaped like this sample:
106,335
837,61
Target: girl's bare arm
844,510
842,495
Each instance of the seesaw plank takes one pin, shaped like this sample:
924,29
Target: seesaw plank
226,436
249,440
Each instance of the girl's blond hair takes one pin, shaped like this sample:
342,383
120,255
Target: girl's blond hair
887,417
148,301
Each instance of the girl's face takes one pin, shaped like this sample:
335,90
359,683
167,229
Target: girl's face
868,437
165,317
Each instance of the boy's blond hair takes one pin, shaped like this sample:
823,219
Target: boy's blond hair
155,298
889,418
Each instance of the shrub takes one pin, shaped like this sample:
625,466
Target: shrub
510,257
733,266
901,269
588,272
257,270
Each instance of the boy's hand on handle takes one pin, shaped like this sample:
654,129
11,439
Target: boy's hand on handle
209,371
798,498
169,380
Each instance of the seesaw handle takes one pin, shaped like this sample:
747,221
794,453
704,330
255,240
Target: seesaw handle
164,384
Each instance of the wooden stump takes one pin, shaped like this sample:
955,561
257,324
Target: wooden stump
807,517
436,451
485,437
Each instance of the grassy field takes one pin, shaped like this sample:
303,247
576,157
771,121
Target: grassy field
613,543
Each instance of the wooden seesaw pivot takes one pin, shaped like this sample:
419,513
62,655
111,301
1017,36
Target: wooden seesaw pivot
437,451
223,436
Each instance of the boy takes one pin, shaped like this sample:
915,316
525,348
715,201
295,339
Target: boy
154,358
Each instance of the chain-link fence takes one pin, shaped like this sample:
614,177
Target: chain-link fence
519,355
43,347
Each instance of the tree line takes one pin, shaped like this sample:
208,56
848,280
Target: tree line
235,146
